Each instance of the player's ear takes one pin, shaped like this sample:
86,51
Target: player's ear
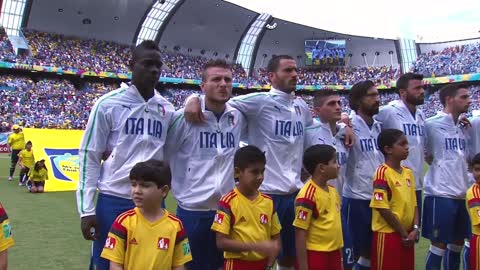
236,172
165,189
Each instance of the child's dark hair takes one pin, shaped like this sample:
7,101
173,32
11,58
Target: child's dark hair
388,137
37,166
155,171
29,142
247,156
476,160
317,154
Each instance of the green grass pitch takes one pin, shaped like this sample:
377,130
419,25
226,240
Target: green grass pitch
46,228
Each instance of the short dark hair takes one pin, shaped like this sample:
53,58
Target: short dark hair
248,155
388,137
320,96
218,63
145,45
317,154
275,62
155,171
475,160
450,90
29,142
402,82
358,91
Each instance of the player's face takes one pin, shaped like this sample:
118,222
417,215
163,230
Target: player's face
251,177
415,93
218,84
330,170
399,149
147,194
28,147
16,130
476,173
285,78
371,102
146,67
461,101
331,109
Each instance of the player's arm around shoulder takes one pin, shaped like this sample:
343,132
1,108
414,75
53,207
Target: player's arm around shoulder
250,104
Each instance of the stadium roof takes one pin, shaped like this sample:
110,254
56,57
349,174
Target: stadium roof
424,21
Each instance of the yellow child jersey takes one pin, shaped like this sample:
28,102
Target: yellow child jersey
6,240
394,191
38,176
27,158
16,141
246,221
318,212
472,201
137,243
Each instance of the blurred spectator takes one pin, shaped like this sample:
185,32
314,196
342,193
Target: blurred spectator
460,59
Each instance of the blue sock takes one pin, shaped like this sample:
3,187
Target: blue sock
362,264
466,256
434,258
451,260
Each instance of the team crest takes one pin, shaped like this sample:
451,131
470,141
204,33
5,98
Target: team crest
161,109
263,219
231,120
378,196
397,184
110,243
163,243
219,218
409,184
302,215
7,230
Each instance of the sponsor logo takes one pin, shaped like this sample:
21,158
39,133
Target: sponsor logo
263,219
302,215
378,196
186,248
110,243
219,218
7,230
65,163
127,107
133,242
163,243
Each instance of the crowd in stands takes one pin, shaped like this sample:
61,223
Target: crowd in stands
56,103
6,50
460,59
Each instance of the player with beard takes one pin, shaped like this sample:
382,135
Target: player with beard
445,218
363,160
404,115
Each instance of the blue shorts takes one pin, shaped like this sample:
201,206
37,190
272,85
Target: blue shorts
419,205
357,215
202,239
285,207
445,220
108,209
348,254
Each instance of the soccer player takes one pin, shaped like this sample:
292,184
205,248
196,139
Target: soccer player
473,207
26,160
16,142
6,240
318,224
131,124
246,223
37,177
363,159
394,204
147,237
327,106
445,219
474,136
201,156
276,123
404,115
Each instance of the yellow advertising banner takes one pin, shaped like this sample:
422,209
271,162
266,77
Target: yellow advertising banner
59,148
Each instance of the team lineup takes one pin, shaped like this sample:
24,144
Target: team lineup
304,193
